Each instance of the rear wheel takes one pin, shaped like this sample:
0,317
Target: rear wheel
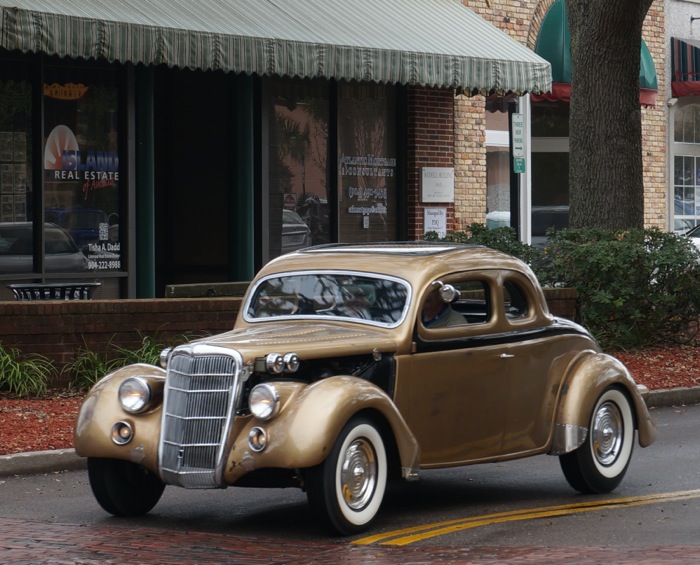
123,488
599,465
347,489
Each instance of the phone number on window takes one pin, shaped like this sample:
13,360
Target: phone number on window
104,265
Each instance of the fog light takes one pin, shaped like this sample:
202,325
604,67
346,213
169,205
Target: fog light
122,432
257,439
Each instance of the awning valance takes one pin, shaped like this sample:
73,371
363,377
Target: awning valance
438,43
685,62
554,45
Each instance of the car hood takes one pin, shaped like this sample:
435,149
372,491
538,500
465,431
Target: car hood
306,340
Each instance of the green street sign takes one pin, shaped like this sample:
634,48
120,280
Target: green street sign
518,165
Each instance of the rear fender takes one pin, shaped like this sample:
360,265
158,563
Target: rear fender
309,421
591,374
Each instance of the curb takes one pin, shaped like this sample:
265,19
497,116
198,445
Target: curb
40,462
55,461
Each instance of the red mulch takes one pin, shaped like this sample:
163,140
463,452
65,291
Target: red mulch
47,423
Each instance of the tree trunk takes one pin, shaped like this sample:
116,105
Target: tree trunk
606,186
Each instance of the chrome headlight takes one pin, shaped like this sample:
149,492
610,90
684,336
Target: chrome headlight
264,401
134,395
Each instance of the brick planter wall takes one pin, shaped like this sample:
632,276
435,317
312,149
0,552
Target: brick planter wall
59,329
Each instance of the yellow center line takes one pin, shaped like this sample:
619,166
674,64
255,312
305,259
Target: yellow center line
418,533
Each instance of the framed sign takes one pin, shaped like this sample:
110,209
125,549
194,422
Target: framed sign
438,184
435,219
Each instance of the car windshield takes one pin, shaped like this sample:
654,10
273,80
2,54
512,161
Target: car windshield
370,299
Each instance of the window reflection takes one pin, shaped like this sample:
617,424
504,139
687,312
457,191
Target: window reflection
298,194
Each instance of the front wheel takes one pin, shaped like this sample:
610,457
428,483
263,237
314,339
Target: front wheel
599,465
123,488
347,489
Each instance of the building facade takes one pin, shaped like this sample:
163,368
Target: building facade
482,152
142,155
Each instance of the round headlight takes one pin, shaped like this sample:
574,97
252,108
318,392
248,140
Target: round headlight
134,395
263,401
274,363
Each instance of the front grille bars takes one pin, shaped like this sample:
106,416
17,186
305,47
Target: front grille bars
202,393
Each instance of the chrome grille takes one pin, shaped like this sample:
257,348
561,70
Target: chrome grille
202,390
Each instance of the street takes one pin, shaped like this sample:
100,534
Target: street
487,513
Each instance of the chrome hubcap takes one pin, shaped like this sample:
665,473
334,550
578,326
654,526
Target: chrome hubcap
358,474
607,433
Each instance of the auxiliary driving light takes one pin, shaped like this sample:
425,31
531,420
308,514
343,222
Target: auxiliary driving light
274,363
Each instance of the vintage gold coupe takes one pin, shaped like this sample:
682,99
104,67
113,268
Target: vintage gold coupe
350,365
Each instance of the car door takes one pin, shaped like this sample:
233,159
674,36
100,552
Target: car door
537,359
452,388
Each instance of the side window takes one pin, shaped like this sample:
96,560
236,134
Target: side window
474,302
515,301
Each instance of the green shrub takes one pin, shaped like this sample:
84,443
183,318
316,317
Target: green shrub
503,239
88,366
24,375
636,287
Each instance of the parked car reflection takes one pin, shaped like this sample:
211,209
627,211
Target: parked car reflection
295,233
83,224
16,249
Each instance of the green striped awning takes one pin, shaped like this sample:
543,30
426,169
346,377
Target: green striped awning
438,43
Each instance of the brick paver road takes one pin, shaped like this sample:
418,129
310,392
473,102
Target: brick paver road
25,542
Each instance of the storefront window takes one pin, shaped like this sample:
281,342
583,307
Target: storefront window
16,194
686,168
297,166
367,191
81,163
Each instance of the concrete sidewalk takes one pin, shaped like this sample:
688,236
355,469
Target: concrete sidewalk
53,461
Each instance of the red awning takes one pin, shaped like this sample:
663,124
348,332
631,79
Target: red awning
561,92
685,62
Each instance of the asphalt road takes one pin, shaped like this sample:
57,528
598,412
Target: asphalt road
505,507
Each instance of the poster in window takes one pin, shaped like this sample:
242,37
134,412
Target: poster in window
81,165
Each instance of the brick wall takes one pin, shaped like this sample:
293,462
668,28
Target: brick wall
430,144
522,21
58,330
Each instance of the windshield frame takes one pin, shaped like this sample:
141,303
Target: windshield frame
252,295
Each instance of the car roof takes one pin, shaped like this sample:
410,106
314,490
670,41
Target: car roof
414,261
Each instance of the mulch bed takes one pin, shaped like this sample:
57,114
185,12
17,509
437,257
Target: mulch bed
47,423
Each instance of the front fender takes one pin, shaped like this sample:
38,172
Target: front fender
591,374
92,435
309,421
